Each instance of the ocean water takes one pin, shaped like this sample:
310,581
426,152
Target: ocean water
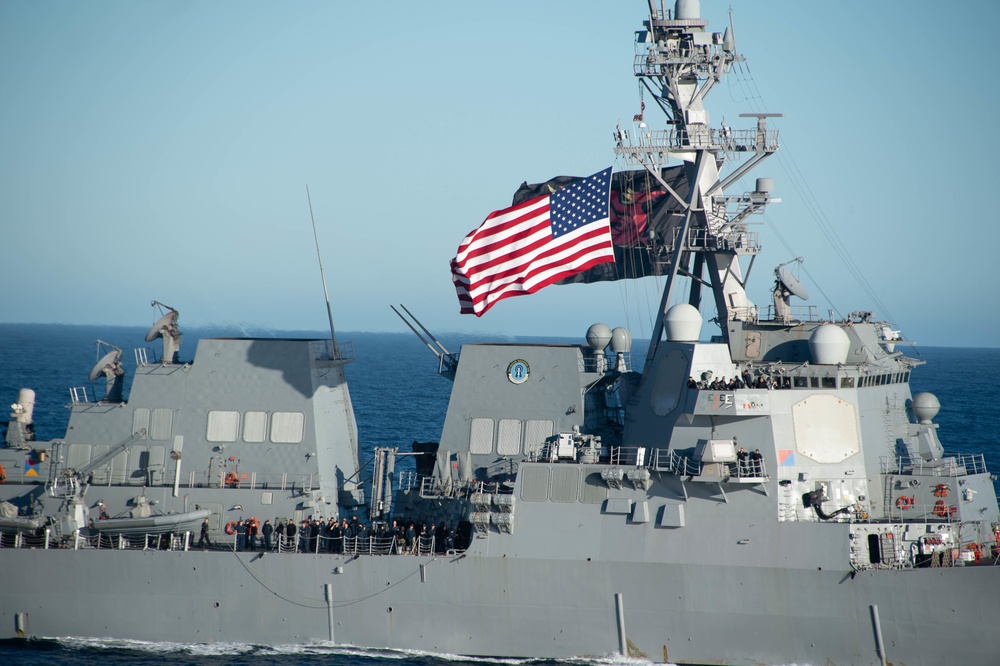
398,398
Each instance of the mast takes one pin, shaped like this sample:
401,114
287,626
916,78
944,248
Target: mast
679,62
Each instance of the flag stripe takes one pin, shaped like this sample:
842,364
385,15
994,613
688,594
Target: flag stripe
526,247
587,241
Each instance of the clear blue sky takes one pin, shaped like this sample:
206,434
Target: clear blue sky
160,150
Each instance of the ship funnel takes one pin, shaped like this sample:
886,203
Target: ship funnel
687,9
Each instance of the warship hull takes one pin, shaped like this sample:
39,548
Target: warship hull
773,495
508,606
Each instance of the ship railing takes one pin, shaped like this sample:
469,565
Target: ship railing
431,487
349,545
82,394
407,480
726,238
231,478
617,362
795,313
344,351
629,456
665,460
636,147
747,313
949,466
49,539
143,356
434,487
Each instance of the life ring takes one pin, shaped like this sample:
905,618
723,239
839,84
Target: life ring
904,502
940,510
231,528
232,479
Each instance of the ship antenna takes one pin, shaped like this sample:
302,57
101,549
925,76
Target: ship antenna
326,294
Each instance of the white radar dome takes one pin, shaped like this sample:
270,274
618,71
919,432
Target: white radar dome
682,323
598,336
687,9
828,345
621,340
925,406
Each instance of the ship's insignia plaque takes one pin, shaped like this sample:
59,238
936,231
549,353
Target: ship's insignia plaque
517,371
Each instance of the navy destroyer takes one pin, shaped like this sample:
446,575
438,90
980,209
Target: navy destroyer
773,494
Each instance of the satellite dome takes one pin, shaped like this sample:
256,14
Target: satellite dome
687,9
925,406
598,336
621,340
828,345
682,323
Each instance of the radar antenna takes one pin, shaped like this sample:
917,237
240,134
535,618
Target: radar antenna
786,285
335,350
109,364
166,327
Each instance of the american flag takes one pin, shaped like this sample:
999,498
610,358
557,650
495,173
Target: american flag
642,109
519,250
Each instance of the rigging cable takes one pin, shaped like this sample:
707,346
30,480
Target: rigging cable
801,186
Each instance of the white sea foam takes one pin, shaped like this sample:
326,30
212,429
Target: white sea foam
326,648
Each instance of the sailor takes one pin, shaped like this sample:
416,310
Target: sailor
411,537
313,535
336,536
449,541
439,535
252,531
204,538
290,533
104,510
304,530
279,533
267,530
741,461
362,538
241,534
396,535
424,540
757,463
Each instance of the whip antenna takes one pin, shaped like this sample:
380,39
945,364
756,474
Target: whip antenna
326,294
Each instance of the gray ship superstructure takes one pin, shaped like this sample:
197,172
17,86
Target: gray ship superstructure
772,495
250,427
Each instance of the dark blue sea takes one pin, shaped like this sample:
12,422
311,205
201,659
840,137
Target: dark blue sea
398,398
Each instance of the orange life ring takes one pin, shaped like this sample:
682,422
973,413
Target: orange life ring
904,502
232,479
231,528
